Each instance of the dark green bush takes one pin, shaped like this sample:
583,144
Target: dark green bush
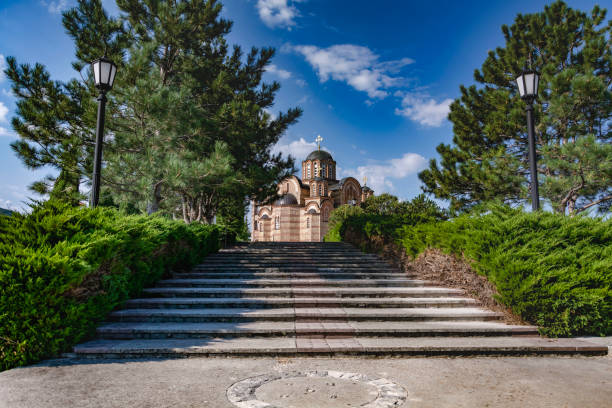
552,270
381,215
63,269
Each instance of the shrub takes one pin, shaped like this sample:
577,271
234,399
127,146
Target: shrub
552,270
63,269
381,215
337,221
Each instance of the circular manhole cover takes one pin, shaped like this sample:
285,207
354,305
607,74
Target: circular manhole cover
308,389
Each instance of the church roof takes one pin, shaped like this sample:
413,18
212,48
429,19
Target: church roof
319,155
287,199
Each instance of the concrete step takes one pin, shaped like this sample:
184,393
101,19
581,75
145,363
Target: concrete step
296,250
316,313
280,302
292,256
292,268
340,292
327,264
285,275
309,299
311,283
361,346
275,329
299,251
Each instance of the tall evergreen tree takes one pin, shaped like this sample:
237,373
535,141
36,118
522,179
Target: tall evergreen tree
488,158
189,125
53,127
186,120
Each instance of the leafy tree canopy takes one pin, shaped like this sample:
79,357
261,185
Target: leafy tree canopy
488,157
187,128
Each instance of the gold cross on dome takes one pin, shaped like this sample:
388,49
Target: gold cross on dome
319,139
365,180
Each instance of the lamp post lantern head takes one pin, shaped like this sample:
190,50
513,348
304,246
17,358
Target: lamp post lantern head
104,71
528,83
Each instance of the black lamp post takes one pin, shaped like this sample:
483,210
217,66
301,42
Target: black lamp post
104,71
528,83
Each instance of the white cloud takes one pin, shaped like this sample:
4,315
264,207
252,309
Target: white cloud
380,174
299,149
424,109
356,65
273,115
3,112
55,7
281,73
8,205
14,197
278,13
300,82
5,132
2,68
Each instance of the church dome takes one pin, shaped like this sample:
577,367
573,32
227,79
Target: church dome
287,199
319,155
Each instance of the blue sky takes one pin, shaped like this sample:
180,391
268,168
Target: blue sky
374,78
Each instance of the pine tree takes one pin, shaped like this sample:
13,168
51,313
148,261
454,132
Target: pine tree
188,123
53,128
488,158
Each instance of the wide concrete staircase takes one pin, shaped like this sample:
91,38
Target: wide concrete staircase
302,299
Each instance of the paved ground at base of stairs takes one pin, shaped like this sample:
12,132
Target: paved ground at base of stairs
201,382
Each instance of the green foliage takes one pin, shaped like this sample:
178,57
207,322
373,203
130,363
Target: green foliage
337,221
553,271
50,120
380,215
188,112
63,269
488,159
384,204
232,217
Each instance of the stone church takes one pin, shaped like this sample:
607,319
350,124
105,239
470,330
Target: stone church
302,211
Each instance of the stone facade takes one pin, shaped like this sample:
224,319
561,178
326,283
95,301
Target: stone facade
301,214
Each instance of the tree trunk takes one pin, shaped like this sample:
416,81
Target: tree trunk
156,198
184,209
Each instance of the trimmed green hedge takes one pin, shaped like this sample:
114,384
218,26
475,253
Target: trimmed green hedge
552,270
63,269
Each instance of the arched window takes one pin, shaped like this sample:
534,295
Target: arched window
255,226
308,222
325,214
308,170
316,169
277,223
320,189
323,170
